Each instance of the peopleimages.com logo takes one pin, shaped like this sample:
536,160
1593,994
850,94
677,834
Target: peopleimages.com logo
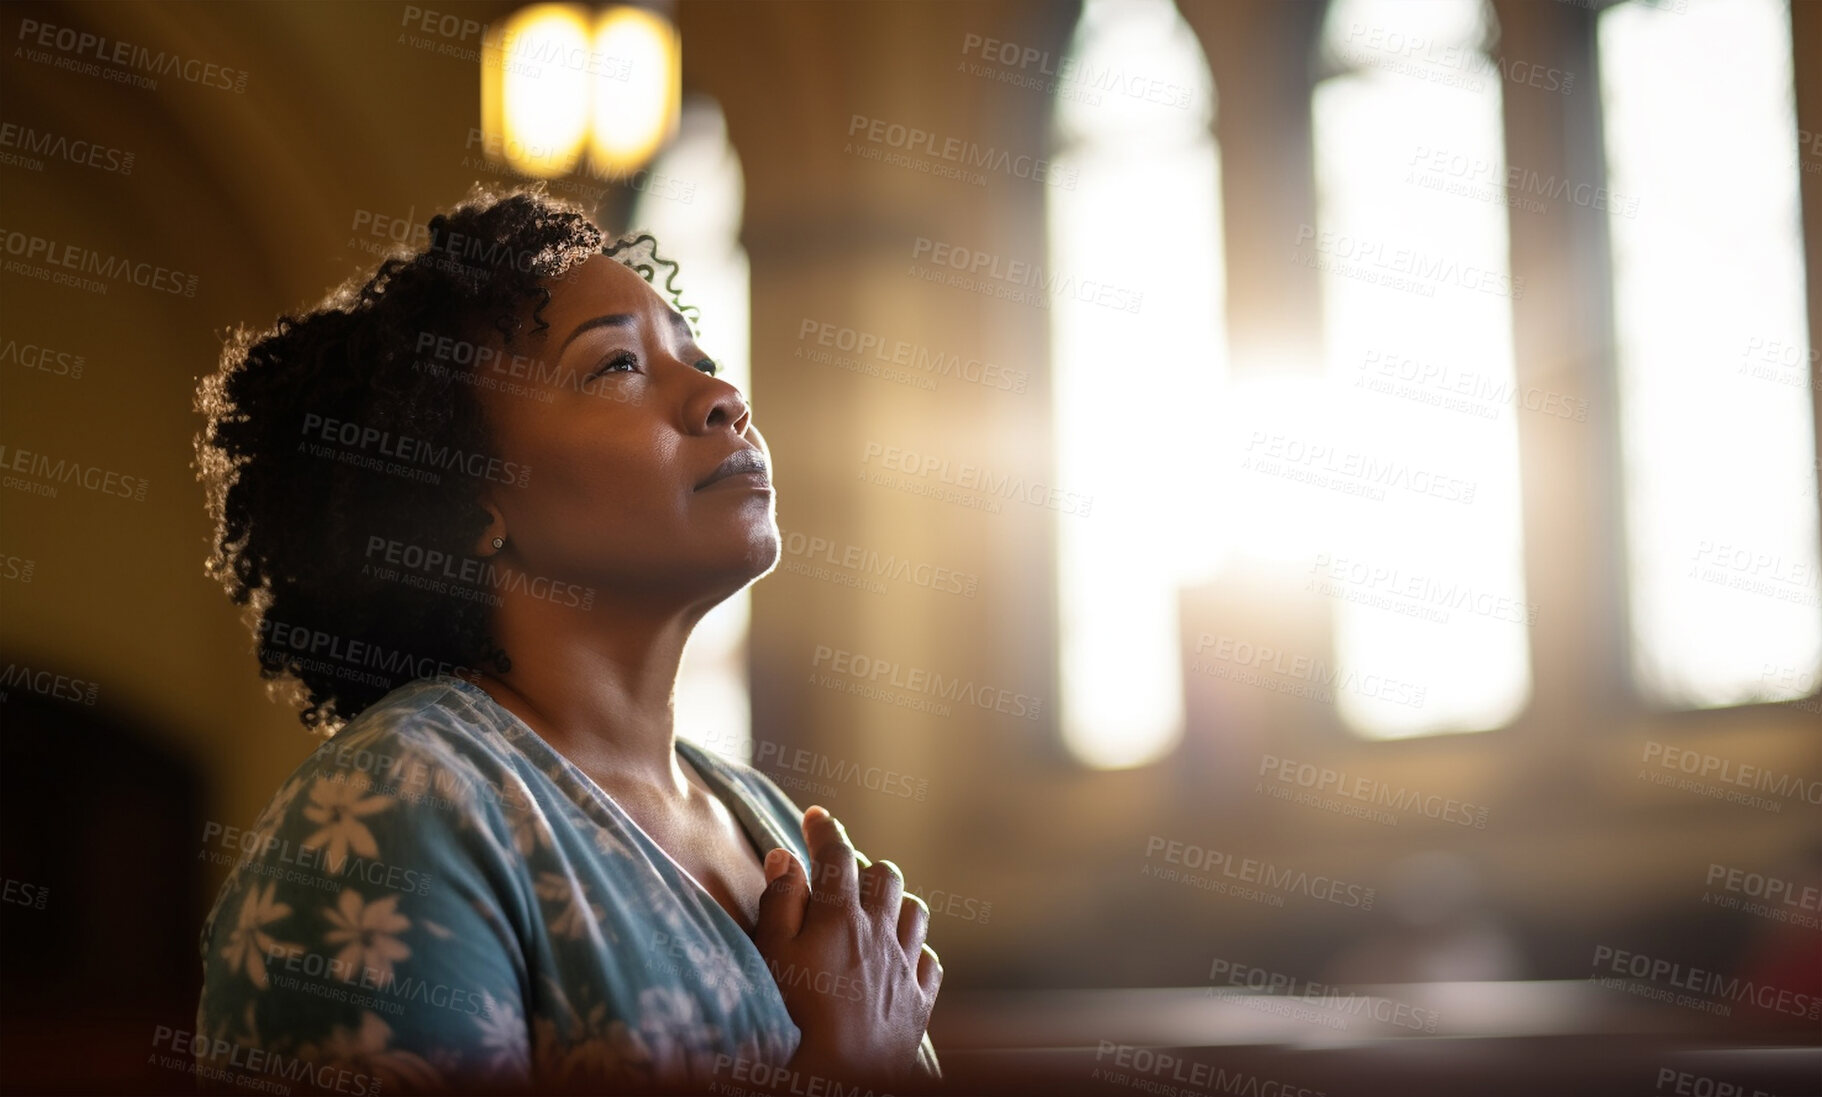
400,454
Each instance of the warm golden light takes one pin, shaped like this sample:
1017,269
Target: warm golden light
550,84
534,90
637,93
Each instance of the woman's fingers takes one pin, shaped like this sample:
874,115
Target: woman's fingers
913,924
929,971
853,920
834,874
882,885
781,905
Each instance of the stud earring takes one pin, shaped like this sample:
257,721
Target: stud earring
499,542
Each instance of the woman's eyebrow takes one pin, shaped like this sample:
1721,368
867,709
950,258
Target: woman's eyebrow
615,319
622,320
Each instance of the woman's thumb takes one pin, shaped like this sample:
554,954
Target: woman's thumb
787,892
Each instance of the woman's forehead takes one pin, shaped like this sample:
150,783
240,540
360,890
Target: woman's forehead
600,284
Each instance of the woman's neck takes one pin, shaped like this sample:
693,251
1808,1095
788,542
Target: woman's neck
597,685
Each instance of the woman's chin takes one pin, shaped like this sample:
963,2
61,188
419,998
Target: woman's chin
763,552
751,559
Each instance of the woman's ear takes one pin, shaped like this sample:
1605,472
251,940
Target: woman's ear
495,530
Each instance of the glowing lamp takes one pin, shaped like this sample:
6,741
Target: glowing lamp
556,78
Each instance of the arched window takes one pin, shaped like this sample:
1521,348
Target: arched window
1421,430
691,201
1716,373
1144,214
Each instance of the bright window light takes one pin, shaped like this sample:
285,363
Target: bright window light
1144,213
1420,482
1715,367
696,216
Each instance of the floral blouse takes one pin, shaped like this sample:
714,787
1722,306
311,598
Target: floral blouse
436,899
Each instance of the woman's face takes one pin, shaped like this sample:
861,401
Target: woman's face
619,425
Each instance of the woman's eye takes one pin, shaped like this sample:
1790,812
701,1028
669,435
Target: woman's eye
624,358
708,366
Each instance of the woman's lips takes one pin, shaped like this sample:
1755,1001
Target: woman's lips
751,480
745,465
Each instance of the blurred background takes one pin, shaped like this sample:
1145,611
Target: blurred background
1301,520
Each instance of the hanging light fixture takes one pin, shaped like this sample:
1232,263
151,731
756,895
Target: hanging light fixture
559,78
635,117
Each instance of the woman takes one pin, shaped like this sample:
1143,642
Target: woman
476,505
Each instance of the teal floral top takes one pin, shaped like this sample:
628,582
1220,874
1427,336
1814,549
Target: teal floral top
437,900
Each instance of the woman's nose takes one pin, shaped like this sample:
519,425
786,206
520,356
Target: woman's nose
719,405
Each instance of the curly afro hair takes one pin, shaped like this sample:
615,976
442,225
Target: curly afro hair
305,422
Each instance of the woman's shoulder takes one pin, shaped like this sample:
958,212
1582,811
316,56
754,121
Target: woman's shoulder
418,785
434,750
443,710
425,758
427,732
